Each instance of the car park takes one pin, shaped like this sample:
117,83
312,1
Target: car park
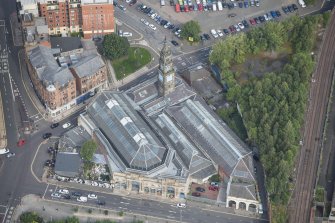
56,195
175,43
10,155
47,135
200,189
82,199
92,196
63,191
54,125
68,124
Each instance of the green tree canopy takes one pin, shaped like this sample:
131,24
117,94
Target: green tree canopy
88,149
31,217
191,29
115,46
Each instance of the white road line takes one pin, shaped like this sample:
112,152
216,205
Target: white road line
45,191
124,202
126,198
11,87
3,206
172,212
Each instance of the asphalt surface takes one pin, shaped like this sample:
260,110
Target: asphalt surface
309,155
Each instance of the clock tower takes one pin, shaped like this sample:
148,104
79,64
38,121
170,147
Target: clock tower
166,73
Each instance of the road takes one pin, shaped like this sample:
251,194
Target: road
309,156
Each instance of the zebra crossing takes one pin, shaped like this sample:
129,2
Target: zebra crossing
6,213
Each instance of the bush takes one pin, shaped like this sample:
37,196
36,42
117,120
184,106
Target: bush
191,29
30,217
89,211
106,212
121,213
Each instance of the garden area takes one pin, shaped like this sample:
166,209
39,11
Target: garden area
137,58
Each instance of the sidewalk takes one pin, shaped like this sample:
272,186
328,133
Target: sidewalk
3,137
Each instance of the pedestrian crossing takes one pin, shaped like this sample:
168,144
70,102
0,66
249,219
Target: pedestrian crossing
6,213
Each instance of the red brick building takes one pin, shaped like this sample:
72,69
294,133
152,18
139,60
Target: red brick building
98,18
94,18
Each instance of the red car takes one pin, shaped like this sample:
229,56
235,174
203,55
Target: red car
21,142
213,188
186,8
200,8
252,21
196,194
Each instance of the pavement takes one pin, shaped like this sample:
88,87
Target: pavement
3,138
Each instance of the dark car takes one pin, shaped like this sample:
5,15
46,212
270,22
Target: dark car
207,37
163,22
261,19
295,7
50,163
54,125
231,15
257,20
175,43
246,4
66,196
196,194
278,13
226,31
200,189
171,26
240,4
51,150
245,23
232,29
76,194
133,2
101,202
273,13
224,5
290,8
47,135
285,9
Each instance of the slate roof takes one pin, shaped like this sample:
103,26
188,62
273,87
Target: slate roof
131,138
67,164
47,67
65,44
88,66
246,191
73,139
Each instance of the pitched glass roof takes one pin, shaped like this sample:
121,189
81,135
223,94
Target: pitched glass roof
131,137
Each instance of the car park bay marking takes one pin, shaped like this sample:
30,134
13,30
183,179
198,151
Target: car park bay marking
124,202
172,212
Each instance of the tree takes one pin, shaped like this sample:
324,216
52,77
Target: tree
191,29
88,149
274,34
114,46
31,217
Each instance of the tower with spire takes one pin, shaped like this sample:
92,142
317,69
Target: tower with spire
166,73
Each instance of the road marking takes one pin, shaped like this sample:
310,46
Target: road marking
172,212
124,202
126,198
45,190
170,216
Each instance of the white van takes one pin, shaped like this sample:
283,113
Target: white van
214,7
213,32
302,3
260,209
162,2
220,6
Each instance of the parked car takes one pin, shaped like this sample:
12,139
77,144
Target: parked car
122,7
82,199
261,19
127,34
207,37
273,13
219,33
226,31
237,28
76,194
50,163
66,196
257,3
278,13
56,195
285,9
68,124
92,196
47,135
295,7
246,4
54,125
196,194
10,155
245,23
240,25
257,20
252,21
175,43
231,15
152,27
181,205
213,32
101,202
63,191
213,188
200,189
